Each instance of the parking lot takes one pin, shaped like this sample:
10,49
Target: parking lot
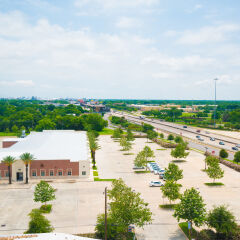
78,204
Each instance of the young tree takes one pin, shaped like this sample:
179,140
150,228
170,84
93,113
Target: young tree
117,133
27,158
93,145
171,190
14,129
223,153
140,160
191,208
222,220
44,192
179,151
170,137
125,144
237,157
127,207
211,160
161,135
38,223
151,134
149,153
130,136
9,160
173,173
215,172
178,139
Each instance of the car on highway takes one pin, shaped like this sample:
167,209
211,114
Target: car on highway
212,139
156,184
201,139
136,167
198,137
207,132
238,145
235,148
198,131
221,143
184,126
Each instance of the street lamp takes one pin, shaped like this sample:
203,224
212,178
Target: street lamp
215,102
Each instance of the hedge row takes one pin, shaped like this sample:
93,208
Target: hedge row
165,144
230,164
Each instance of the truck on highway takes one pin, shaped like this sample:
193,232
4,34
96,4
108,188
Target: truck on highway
142,117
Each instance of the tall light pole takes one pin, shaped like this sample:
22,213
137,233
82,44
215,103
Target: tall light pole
105,222
215,102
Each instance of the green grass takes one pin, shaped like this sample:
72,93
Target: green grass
128,154
161,149
106,131
94,168
167,206
142,171
46,208
184,227
95,173
97,179
3,134
178,161
214,184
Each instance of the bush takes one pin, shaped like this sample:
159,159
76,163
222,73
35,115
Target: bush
206,234
38,223
223,153
165,144
46,208
232,165
178,139
170,137
95,173
237,157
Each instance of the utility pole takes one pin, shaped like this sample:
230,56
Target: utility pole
215,102
105,213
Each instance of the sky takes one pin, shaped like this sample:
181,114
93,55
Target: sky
134,49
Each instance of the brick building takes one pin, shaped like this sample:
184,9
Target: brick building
58,154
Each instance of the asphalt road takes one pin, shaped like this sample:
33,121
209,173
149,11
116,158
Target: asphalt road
190,134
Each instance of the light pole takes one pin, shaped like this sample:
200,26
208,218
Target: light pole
105,222
215,102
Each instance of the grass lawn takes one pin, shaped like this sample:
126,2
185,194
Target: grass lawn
128,154
97,179
106,131
167,206
178,161
142,171
3,134
95,173
161,149
214,184
184,227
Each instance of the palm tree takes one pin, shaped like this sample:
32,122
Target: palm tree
93,144
9,160
27,158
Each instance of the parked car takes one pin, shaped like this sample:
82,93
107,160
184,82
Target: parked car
161,176
212,139
136,167
221,143
198,137
155,184
235,148
184,126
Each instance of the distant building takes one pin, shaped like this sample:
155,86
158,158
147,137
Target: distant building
58,153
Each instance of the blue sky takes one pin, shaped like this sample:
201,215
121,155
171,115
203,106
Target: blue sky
151,49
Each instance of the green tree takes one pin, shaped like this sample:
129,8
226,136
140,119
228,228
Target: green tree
27,158
214,171
146,127
93,145
223,153
38,223
179,151
170,137
161,135
45,124
222,220
173,173
44,192
127,207
94,122
191,208
151,134
117,133
14,129
8,161
125,144
140,160
237,157
171,190
149,153
130,136
178,139
211,160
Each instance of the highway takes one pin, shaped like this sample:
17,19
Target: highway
188,134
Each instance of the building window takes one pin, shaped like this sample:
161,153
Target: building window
83,172
69,172
60,173
51,173
6,174
34,173
42,173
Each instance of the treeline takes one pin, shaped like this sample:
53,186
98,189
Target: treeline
121,107
34,115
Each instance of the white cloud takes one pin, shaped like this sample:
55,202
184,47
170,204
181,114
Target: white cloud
126,22
21,83
208,34
198,6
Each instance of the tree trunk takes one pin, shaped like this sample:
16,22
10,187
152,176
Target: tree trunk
9,174
26,173
93,156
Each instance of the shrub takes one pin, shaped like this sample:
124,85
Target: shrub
206,234
237,157
223,153
170,137
46,208
165,144
232,165
95,173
